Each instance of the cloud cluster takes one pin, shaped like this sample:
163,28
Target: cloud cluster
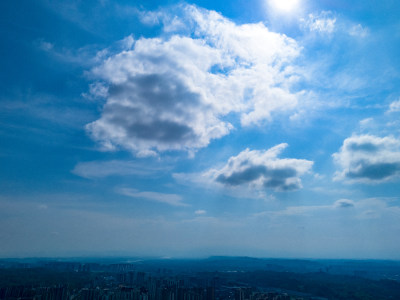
368,158
174,92
262,169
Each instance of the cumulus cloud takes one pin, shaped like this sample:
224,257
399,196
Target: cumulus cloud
173,92
170,199
321,23
368,158
262,169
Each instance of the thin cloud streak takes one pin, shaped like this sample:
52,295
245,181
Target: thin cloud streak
102,169
170,199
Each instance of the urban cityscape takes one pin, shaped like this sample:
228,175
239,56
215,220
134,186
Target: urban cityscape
214,278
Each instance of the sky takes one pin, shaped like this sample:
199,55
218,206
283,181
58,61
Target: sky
265,128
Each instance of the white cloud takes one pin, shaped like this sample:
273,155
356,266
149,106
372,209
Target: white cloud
200,212
173,92
368,158
394,106
170,199
262,169
321,23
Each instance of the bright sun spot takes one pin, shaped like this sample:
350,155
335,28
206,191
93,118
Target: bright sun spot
284,6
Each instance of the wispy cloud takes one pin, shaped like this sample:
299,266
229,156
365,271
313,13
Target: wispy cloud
358,31
323,22
45,46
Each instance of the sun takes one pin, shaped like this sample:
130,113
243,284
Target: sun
284,6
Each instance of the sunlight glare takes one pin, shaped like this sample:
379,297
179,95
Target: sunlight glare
285,6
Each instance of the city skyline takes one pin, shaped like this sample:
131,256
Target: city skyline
257,128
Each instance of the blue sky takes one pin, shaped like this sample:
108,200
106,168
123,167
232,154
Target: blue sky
183,129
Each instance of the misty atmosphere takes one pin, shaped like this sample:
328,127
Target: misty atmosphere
199,149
